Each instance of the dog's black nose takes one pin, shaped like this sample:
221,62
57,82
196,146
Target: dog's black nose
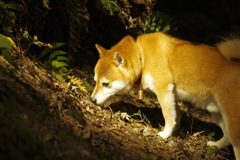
94,100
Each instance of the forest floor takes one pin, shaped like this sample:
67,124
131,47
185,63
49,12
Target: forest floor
43,118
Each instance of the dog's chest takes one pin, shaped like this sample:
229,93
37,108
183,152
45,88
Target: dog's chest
148,82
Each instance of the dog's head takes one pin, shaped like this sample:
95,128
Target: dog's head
113,71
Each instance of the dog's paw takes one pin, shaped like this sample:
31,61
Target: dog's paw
222,143
164,135
212,144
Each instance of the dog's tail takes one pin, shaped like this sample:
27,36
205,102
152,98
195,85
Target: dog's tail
230,49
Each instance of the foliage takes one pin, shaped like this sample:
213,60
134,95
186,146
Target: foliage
77,12
39,17
7,17
142,117
138,17
78,20
131,14
76,83
6,44
157,22
212,150
109,7
57,61
46,3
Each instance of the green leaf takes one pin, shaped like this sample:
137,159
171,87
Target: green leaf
16,6
58,64
4,42
166,28
6,55
62,58
86,83
210,135
46,3
56,53
212,150
57,45
58,76
26,34
44,52
35,37
63,70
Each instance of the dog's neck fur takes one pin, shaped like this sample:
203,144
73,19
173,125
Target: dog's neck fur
140,93
134,59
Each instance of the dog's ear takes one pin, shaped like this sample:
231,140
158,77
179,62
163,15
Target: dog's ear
100,49
119,60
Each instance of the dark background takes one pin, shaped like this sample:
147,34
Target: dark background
199,21
82,24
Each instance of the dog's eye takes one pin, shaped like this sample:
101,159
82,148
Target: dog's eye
105,84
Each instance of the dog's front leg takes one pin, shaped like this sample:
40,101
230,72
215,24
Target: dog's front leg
170,111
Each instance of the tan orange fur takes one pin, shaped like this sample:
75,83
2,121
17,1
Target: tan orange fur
175,69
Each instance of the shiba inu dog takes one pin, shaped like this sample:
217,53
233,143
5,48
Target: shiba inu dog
174,70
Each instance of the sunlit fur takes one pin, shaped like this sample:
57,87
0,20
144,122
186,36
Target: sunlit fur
175,69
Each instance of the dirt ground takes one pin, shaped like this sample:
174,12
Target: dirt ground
43,118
